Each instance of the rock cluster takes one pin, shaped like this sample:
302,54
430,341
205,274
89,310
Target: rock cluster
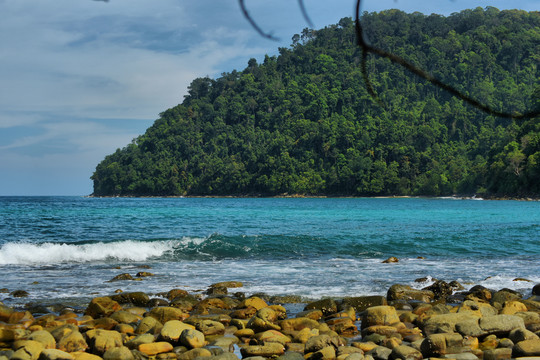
405,324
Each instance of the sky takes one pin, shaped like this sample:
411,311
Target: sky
82,78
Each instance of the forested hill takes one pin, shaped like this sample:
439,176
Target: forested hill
303,123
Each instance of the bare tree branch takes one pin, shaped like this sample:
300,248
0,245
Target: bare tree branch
253,23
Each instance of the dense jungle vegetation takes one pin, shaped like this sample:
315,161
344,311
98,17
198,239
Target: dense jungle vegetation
303,123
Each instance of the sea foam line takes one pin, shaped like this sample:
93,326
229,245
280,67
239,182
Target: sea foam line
52,253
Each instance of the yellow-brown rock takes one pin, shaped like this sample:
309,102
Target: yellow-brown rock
54,354
365,346
27,350
267,350
192,339
272,336
102,306
379,315
172,330
102,340
512,307
166,313
125,329
153,349
72,341
298,324
118,353
194,353
43,337
150,325
255,302
80,355
303,335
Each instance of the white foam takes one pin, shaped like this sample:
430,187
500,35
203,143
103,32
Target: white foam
52,253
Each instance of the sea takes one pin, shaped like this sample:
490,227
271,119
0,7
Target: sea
66,250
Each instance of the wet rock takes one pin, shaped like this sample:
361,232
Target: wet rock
122,277
446,323
54,354
43,337
71,341
405,353
102,340
504,295
118,353
78,355
155,302
102,306
440,289
501,325
526,348
512,307
27,350
536,289
518,335
194,353
479,292
19,293
379,315
152,349
266,350
297,324
144,274
139,340
327,306
391,259
286,299
498,354
218,290
150,325
206,326
361,303
125,317
405,292
228,284
255,302
138,298
436,345
316,343
164,314
172,330
380,353
192,338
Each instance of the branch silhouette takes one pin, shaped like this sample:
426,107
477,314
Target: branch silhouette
367,48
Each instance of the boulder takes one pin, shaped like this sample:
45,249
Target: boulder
405,353
512,307
526,348
172,330
326,353
536,290
380,353
266,350
316,343
102,340
139,340
390,260
440,289
253,301
165,313
150,325
43,337
435,345
446,323
405,292
102,306
379,315
505,295
79,355
297,324
118,353
272,336
208,327
501,325
125,317
228,284
520,334
498,354
121,277
342,325
71,341
327,306
27,350
192,339
138,298
361,303
194,354
54,354
152,349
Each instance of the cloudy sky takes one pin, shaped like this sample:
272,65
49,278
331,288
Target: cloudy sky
81,78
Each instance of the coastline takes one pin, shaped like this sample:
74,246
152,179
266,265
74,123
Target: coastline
222,323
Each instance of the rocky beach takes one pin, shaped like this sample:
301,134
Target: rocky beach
223,323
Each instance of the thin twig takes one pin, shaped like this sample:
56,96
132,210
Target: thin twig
253,23
366,48
304,13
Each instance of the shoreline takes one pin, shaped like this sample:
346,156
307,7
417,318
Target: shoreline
439,321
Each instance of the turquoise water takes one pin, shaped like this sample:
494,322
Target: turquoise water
71,246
